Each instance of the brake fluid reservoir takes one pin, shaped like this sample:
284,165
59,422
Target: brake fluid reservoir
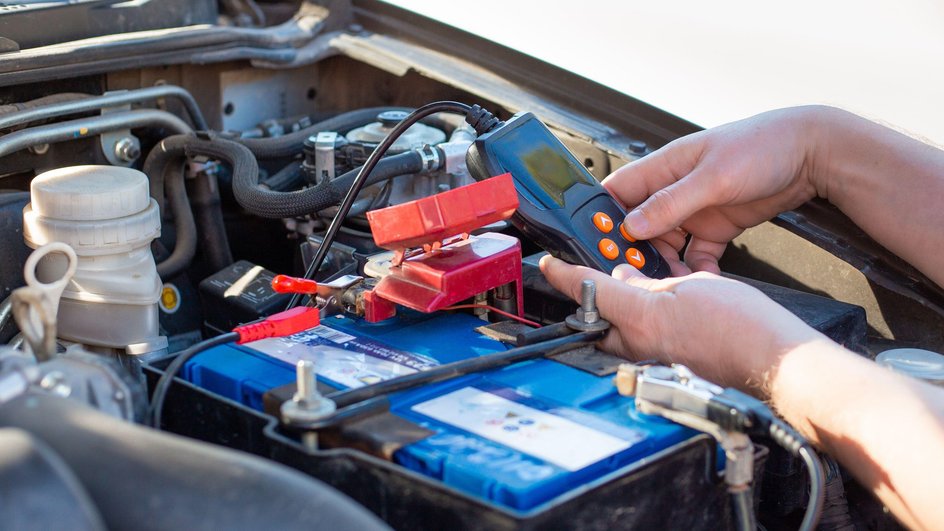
107,215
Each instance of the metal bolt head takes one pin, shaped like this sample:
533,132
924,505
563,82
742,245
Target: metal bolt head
638,147
128,149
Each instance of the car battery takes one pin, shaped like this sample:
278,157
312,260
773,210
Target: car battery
518,436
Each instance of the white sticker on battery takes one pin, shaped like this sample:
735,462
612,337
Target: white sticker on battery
347,368
342,358
554,439
331,334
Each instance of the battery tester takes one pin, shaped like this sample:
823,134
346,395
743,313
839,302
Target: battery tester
562,207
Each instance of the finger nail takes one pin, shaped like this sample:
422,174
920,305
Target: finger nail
545,261
637,223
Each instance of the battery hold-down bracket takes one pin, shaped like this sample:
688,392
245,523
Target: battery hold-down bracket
437,262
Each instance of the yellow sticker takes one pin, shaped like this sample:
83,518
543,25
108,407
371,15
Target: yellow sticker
170,298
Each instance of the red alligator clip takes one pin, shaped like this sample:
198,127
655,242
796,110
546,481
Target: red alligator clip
287,284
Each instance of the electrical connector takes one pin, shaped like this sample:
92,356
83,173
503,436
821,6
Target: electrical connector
279,325
481,119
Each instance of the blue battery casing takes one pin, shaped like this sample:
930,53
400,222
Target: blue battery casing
517,436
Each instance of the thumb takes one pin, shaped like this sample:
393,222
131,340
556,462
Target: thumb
633,277
625,272
669,207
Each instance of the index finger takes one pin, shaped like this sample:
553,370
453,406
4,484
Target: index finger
635,182
568,279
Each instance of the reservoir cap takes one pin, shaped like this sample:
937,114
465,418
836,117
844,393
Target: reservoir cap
89,193
922,364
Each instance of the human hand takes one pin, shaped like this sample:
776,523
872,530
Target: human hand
715,183
724,330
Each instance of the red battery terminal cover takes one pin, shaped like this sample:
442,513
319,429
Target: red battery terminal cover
436,262
426,222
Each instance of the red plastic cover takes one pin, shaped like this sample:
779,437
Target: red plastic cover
437,217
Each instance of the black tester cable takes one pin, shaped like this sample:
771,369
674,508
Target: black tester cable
729,416
479,118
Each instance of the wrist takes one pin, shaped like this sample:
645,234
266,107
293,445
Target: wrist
820,126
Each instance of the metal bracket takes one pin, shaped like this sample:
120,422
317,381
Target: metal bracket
120,147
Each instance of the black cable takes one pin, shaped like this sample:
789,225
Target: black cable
166,379
365,171
461,368
817,487
784,435
737,411
743,501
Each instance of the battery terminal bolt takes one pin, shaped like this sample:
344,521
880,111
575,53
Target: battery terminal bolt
307,405
587,318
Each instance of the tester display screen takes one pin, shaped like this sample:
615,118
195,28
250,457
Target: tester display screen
533,155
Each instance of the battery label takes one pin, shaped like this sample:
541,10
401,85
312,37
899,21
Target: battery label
549,437
342,358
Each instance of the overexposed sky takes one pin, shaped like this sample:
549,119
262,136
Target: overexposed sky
711,62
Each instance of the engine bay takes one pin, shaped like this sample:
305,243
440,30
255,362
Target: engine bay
250,226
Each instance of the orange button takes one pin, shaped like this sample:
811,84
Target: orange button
635,258
603,222
608,248
626,234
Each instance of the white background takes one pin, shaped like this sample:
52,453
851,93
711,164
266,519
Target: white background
711,62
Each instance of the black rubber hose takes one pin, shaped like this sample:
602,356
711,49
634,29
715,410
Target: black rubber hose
144,479
271,204
291,144
164,168
211,229
288,178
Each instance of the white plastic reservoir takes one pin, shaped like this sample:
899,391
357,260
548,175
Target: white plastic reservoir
106,214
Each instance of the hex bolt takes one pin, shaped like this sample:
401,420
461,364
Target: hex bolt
588,302
638,147
127,149
587,317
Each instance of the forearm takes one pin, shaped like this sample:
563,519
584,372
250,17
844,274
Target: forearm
887,429
890,185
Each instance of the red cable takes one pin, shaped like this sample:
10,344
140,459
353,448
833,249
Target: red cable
496,310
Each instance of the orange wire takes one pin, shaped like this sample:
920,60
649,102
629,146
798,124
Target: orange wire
496,310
